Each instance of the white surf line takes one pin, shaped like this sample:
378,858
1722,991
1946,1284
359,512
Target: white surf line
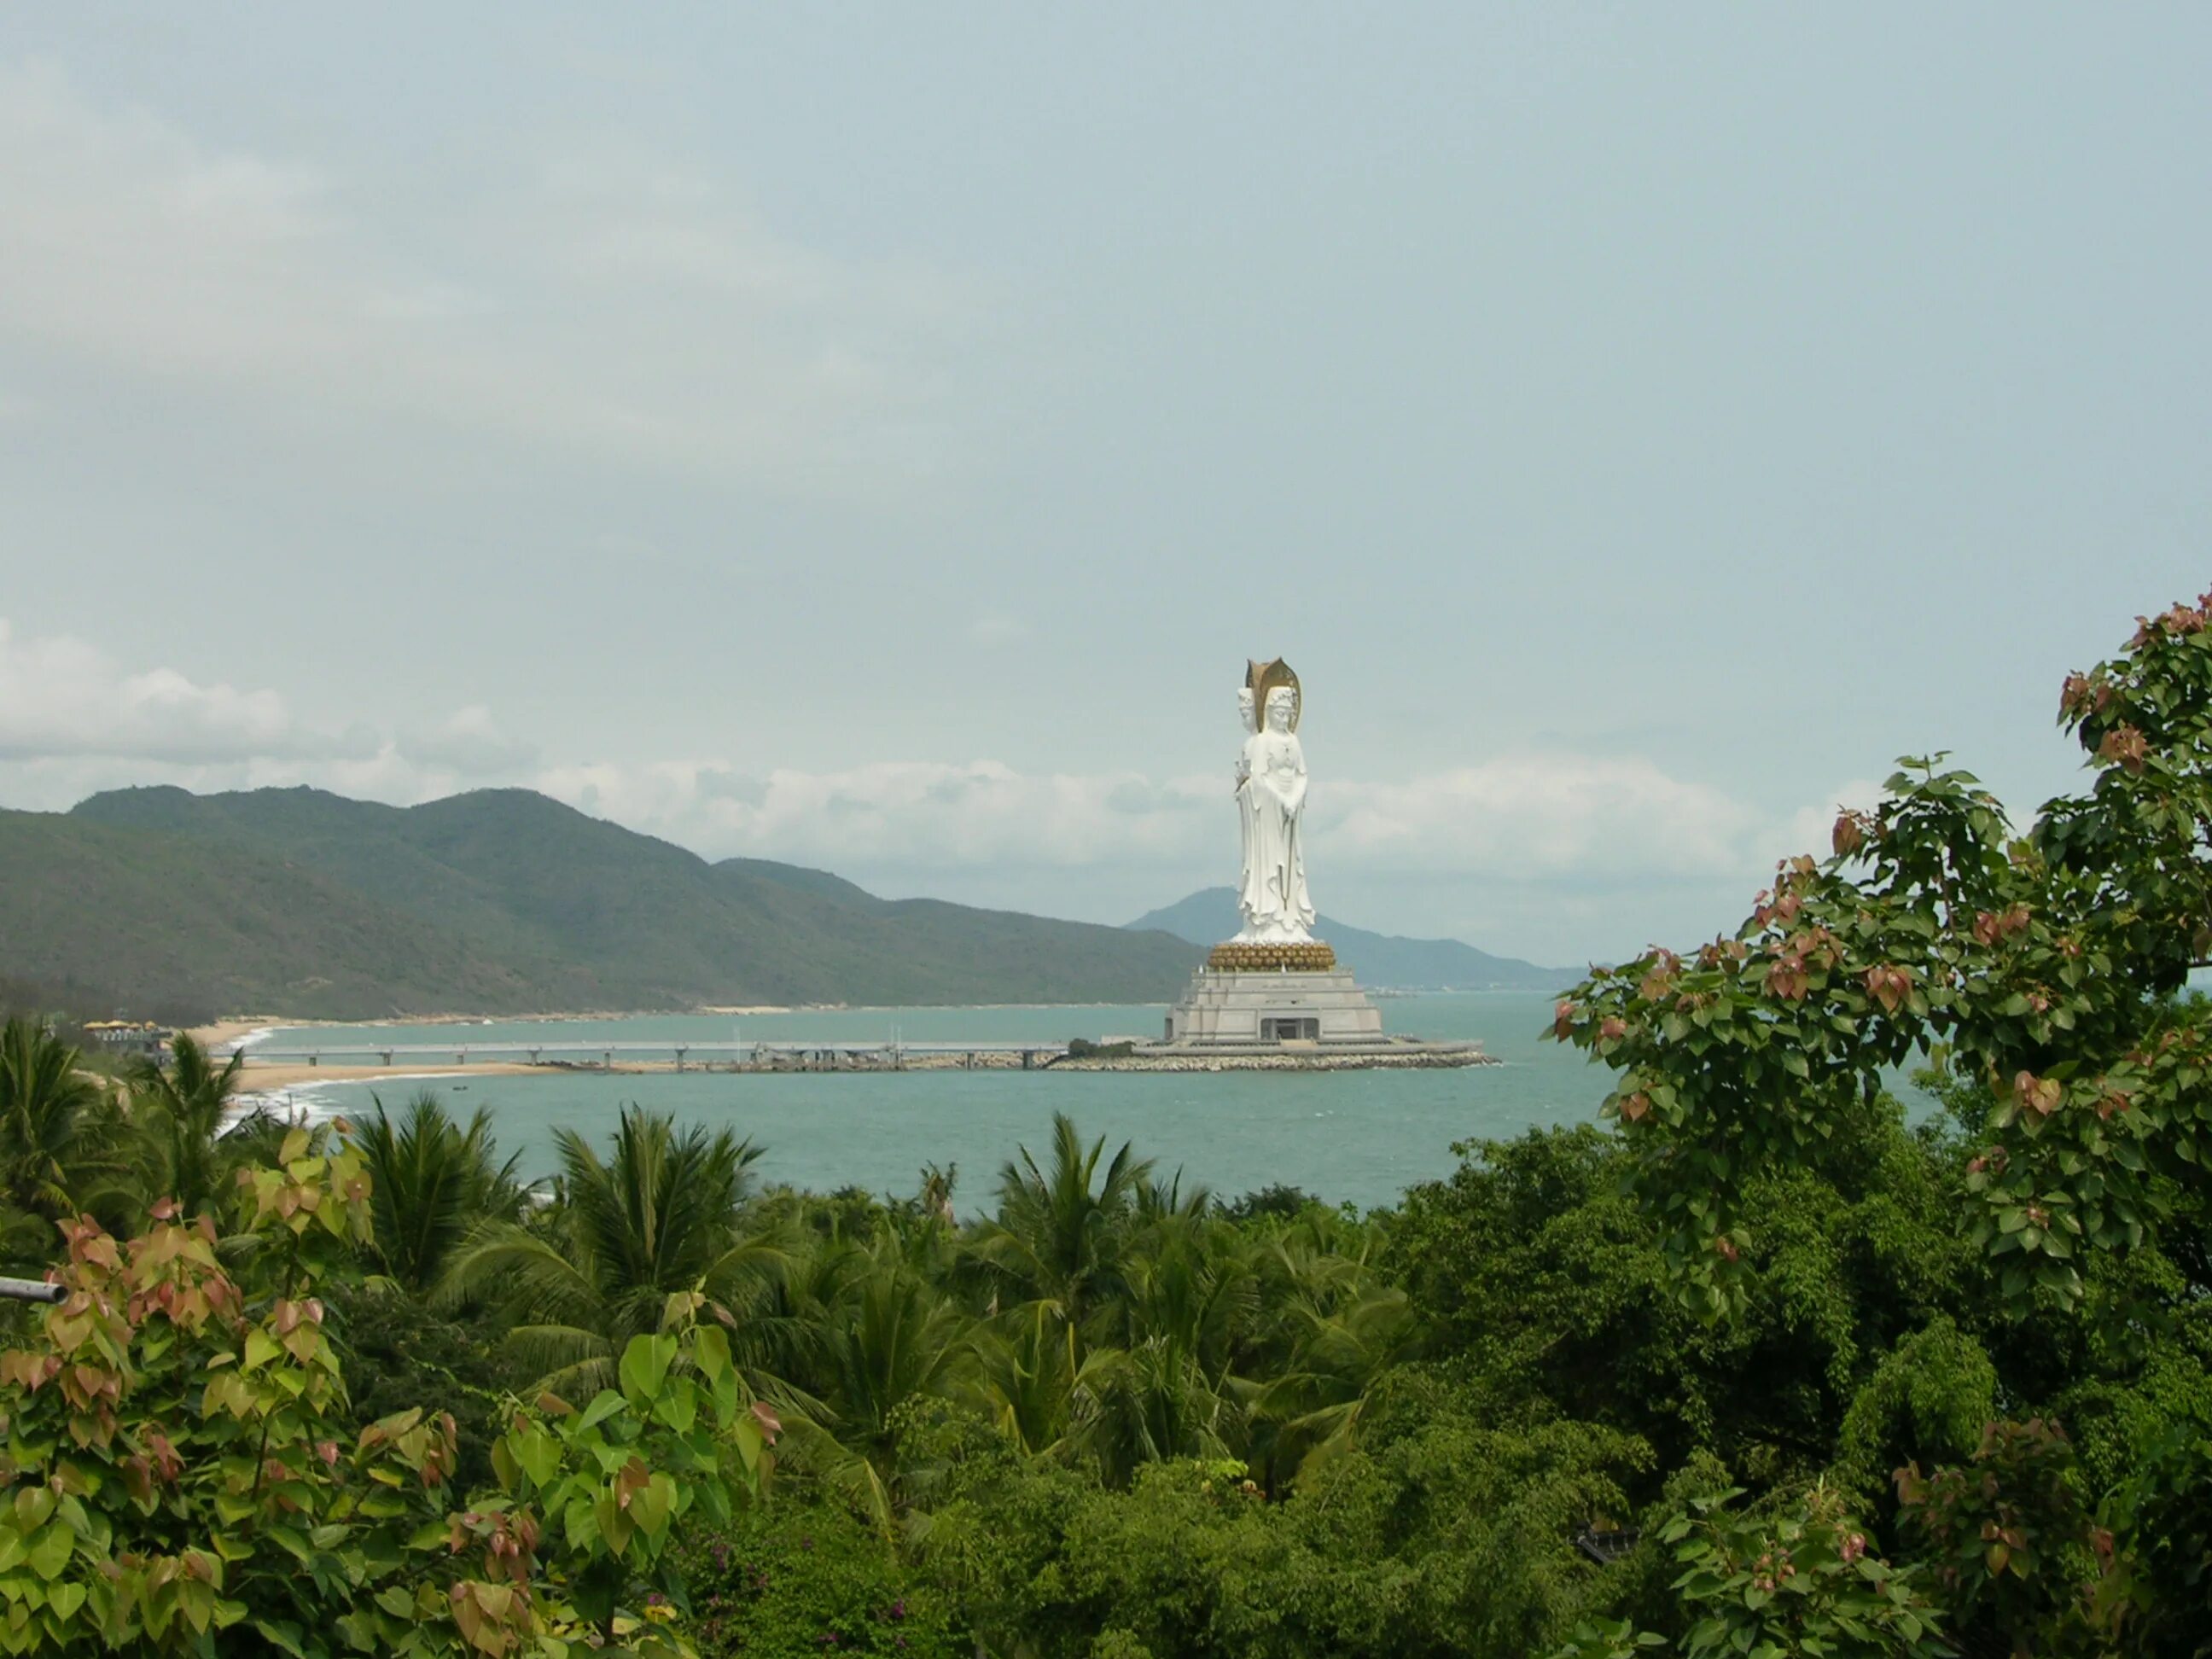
305,1103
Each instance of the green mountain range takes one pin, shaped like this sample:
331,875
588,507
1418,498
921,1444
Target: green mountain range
1379,959
301,902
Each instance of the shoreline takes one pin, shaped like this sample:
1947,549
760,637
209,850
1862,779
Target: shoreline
232,1029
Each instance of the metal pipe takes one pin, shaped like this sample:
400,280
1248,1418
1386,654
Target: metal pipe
30,1290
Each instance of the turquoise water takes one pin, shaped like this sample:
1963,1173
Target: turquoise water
1361,1136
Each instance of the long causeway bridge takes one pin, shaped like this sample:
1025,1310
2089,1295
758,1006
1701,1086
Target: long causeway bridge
811,1053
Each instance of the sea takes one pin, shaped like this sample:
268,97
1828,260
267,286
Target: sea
1360,1137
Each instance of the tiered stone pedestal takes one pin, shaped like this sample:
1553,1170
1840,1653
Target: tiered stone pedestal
1254,995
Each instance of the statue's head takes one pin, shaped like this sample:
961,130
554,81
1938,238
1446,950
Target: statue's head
1244,710
1282,708
1267,681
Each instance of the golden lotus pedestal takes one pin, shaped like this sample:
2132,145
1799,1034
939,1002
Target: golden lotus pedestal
1250,996
1232,958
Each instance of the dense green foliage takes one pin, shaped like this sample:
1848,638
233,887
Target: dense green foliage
1761,1366
495,902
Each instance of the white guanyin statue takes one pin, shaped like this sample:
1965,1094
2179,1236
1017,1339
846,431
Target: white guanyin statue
1270,796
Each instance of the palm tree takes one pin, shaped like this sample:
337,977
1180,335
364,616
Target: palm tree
1335,1326
1059,1235
433,1181
1034,1382
179,1111
1192,1282
1155,1403
647,1238
1310,1409
60,1140
892,1338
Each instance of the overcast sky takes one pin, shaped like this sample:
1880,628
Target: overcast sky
877,437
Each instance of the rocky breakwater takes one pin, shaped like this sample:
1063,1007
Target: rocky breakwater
1406,1056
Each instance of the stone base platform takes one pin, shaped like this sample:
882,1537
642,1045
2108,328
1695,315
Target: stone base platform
1250,1008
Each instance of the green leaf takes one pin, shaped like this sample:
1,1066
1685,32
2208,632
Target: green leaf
51,1550
746,1432
644,1365
537,1452
678,1405
652,1504
710,1351
604,1405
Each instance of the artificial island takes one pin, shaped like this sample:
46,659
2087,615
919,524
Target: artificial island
1274,994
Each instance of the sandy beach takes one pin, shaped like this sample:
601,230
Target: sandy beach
244,1025
229,1030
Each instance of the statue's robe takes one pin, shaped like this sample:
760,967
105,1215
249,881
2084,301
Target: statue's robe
1251,885
1278,789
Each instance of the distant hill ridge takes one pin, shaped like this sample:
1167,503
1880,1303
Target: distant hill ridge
503,901
1209,915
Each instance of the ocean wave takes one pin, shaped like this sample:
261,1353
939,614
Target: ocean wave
311,1104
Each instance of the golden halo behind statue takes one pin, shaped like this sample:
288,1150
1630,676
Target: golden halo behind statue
1264,677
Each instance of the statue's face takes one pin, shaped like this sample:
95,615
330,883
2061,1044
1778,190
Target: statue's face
1282,703
1244,708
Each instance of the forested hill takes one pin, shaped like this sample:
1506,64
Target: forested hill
298,901
1209,915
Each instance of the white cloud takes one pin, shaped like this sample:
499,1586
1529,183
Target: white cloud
61,696
638,313
911,814
72,720
469,742
1541,815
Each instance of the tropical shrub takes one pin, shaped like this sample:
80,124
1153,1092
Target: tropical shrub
1803,1581
181,1475
808,1575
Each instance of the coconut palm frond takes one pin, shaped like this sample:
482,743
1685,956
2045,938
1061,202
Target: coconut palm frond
62,1137
573,1363
432,1181
180,1109
1060,1232
508,1266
